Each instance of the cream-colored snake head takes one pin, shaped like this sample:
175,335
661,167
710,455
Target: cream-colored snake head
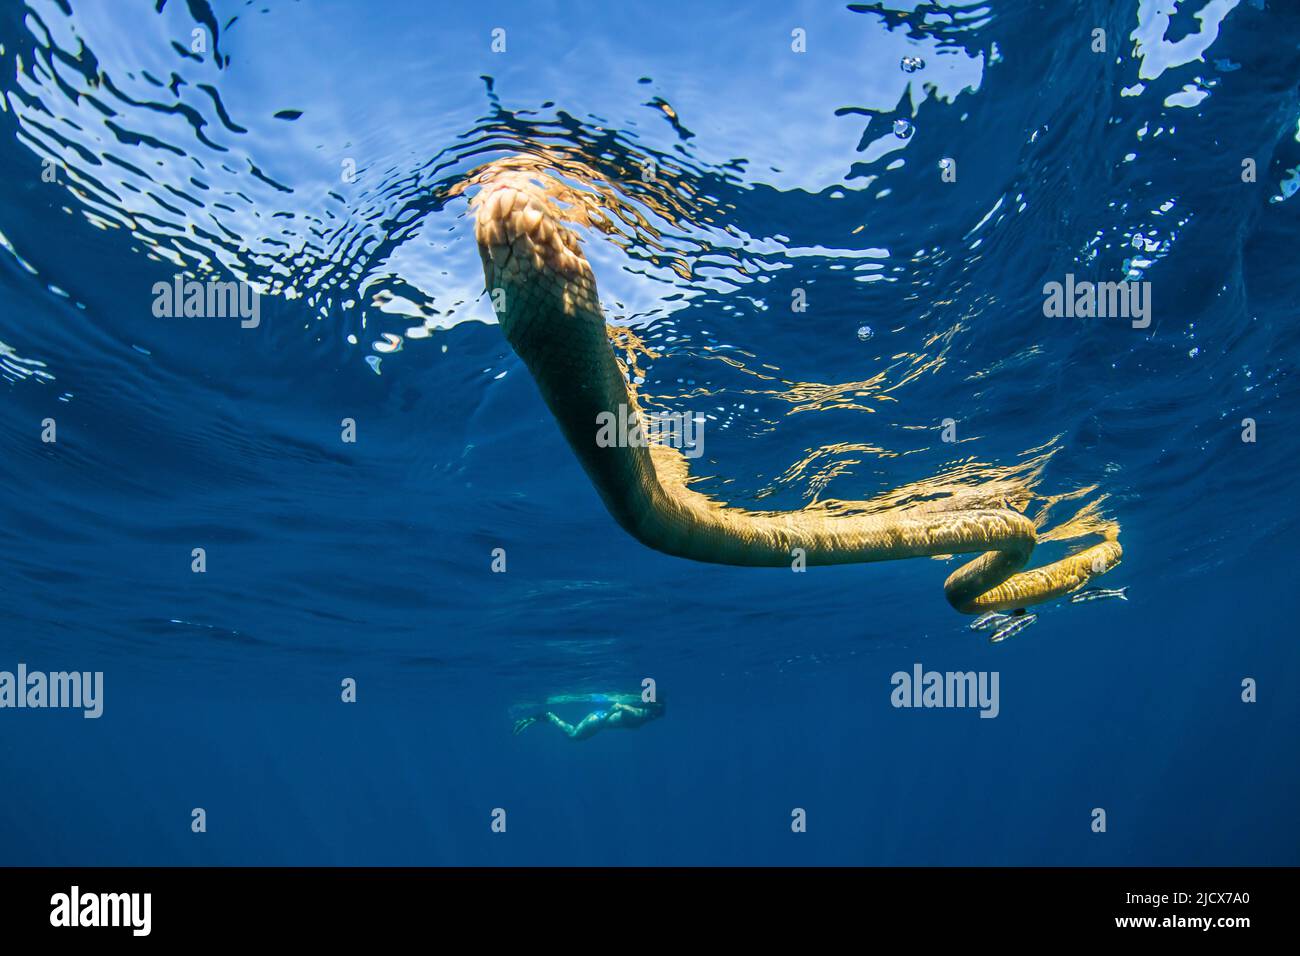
544,292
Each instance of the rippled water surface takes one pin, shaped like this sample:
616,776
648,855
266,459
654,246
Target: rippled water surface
827,229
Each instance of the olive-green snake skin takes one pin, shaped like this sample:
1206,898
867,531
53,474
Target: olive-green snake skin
545,294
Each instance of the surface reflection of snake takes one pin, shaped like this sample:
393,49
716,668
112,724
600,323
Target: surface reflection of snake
545,295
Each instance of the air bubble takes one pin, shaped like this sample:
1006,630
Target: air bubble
910,64
903,129
865,333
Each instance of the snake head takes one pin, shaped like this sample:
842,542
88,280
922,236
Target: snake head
533,264
517,217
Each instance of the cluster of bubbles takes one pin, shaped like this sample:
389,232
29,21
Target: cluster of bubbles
909,64
903,129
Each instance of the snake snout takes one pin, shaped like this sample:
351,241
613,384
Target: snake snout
516,222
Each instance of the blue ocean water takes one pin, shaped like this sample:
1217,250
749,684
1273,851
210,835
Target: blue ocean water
747,157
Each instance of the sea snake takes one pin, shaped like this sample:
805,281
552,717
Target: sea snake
545,295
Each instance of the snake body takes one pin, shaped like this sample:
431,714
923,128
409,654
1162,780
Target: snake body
550,312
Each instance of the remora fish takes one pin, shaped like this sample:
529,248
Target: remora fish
1016,625
988,619
1097,594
